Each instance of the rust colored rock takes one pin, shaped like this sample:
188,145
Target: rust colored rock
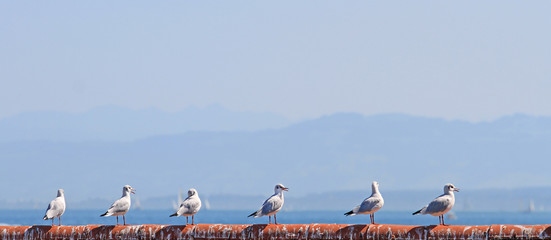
276,231
353,232
280,231
386,231
13,232
219,231
168,232
457,232
335,231
70,232
115,231
521,231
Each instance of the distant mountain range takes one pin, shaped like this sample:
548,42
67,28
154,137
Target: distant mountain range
342,152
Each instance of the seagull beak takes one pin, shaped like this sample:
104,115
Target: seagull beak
132,190
456,189
285,189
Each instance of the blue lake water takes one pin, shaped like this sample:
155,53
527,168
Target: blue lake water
135,217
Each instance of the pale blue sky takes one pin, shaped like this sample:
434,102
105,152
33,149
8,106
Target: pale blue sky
468,60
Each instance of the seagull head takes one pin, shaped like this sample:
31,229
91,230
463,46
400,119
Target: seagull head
279,187
375,186
448,188
129,189
60,192
191,192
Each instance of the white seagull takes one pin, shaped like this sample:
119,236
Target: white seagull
121,206
272,205
440,205
371,204
190,206
56,207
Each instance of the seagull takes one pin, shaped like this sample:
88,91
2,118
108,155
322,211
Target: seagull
440,205
190,206
56,207
272,205
371,204
121,206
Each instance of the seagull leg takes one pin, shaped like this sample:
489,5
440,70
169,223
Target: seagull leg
192,222
124,220
443,220
117,220
275,219
269,219
52,222
59,220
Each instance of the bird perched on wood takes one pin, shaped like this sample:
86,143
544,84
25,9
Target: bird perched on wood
272,205
190,206
122,205
371,204
56,208
440,205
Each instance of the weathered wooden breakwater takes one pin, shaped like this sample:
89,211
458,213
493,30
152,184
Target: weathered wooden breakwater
273,231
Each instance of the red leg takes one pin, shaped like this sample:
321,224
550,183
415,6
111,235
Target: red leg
59,220
275,219
443,221
124,219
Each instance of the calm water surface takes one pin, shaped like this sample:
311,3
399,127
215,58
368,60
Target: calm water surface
134,217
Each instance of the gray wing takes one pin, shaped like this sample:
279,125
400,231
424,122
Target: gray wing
50,206
119,206
272,204
370,203
189,206
49,211
55,209
439,204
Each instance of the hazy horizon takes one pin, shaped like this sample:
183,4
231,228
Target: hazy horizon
221,106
